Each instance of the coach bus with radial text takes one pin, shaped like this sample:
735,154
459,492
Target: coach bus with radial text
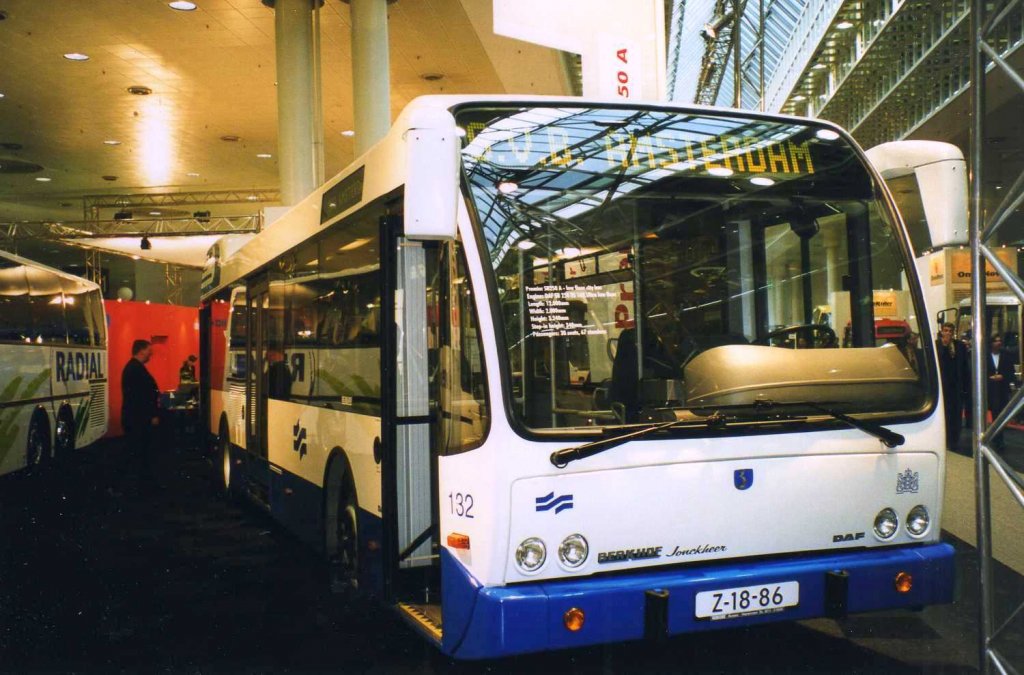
517,371
53,364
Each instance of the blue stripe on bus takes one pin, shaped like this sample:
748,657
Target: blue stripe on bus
487,622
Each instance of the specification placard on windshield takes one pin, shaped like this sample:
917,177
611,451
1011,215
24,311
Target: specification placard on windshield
552,312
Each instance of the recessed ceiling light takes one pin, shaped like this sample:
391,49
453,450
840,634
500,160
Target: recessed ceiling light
2,95
762,180
827,134
75,56
348,132
230,138
139,90
720,171
154,213
844,25
252,198
799,97
264,155
192,174
111,142
182,5
43,179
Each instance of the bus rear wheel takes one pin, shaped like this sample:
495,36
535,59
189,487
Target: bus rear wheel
37,450
64,433
345,562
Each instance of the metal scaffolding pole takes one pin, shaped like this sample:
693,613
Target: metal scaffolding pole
982,232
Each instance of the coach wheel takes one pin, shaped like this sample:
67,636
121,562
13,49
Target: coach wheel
345,565
37,449
225,460
64,441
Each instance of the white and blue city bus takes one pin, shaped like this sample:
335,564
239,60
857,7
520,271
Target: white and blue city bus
518,370
53,363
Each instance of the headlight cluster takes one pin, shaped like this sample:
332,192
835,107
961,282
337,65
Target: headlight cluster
532,553
887,523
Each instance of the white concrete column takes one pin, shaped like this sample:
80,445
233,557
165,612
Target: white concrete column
293,29
371,71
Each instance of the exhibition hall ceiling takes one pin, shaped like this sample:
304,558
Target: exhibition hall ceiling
211,72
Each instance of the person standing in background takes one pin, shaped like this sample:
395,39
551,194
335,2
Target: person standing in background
187,372
1000,372
139,414
953,373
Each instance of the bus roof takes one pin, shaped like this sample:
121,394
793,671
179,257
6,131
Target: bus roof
383,167
65,275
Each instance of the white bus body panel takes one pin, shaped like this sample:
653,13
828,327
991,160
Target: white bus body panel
24,375
325,430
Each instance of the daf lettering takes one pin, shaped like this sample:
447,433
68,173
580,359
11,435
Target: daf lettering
849,536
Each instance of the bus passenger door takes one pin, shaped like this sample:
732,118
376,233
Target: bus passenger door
409,421
258,300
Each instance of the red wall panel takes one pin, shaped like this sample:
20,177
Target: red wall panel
174,332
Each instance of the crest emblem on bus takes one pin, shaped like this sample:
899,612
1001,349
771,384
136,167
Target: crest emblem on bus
550,501
908,481
743,478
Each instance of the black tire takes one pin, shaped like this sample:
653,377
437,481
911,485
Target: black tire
226,462
37,446
64,434
344,563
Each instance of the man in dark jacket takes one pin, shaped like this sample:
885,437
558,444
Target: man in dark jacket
1000,375
953,371
139,415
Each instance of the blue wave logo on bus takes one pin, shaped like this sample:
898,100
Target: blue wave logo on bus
743,478
550,501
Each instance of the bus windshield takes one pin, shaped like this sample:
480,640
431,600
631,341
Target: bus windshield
654,264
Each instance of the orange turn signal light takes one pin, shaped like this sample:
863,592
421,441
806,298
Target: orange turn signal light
456,540
573,619
903,582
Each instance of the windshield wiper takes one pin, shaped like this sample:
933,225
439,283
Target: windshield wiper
561,458
890,438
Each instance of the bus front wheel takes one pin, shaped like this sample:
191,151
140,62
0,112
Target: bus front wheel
37,450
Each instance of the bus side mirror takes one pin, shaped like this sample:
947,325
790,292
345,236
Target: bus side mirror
941,177
432,176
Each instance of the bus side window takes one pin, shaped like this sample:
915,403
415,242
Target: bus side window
78,313
15,320
465,414
46,301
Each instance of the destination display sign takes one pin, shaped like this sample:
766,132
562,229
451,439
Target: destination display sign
555,147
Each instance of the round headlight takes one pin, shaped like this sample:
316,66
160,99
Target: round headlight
531,554
573,551
918,520
886,523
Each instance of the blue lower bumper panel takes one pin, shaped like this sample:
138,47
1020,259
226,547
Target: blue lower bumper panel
487,622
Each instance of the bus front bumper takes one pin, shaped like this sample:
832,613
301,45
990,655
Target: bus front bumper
487,622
